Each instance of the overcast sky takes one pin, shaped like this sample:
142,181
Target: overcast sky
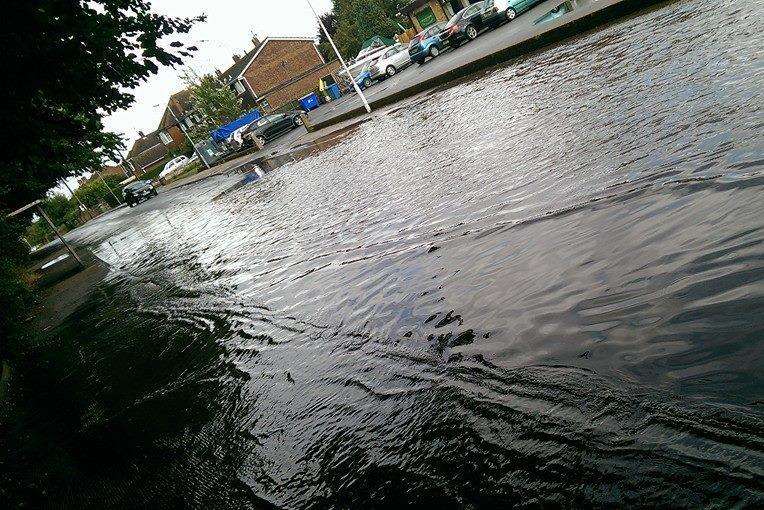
229,28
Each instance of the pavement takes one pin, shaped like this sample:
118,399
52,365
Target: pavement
548,22
511,40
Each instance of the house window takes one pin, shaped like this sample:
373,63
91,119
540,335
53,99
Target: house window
165,137
239,87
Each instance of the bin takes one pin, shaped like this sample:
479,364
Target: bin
309,102
334,91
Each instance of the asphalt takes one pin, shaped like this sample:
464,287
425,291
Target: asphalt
493,47
489,43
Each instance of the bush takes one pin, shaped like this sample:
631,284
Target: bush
94,192
15,295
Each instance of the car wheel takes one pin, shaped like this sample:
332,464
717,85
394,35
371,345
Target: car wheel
434,51
261,140
510,14
390,71
130,204
154,192
471,32
366,83
297,122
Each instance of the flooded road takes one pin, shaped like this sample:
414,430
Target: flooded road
539,287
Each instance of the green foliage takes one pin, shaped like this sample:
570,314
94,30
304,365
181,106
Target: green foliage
14,293
153,174
213,101
95,192
93,53
357,21
66,65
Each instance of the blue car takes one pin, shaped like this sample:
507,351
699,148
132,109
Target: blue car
364,79
428,43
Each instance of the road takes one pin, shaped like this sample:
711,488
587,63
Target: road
525,27
487,43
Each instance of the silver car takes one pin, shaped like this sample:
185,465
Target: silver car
390,62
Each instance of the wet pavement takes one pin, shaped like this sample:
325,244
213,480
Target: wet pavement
543,17
541,287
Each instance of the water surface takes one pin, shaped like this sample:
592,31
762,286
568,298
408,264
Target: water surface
543,286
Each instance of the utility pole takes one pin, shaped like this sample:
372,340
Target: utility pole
82,206
183,128
100,174
336,51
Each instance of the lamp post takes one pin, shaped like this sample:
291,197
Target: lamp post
83,208
336,51
109,188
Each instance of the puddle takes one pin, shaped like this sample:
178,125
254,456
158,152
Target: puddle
561,10
54,261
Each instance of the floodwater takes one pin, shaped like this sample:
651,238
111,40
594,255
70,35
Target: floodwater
540,287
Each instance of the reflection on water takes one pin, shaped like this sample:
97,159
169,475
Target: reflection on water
558,12
549,303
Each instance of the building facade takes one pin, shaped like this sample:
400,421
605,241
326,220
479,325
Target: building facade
277,72
424,13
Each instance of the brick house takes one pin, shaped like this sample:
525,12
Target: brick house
179,113
155,148
278,71
147,152
106,171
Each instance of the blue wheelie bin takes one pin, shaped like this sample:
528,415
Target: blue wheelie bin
334,91
309,102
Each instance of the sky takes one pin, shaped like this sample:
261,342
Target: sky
229,29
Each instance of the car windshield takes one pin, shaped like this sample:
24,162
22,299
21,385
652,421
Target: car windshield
263,121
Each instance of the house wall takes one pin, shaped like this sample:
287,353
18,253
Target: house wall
305,85
280,61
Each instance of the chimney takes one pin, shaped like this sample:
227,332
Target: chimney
218,73
236,57
140,133
255,41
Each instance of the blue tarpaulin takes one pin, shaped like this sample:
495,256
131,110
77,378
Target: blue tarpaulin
224,132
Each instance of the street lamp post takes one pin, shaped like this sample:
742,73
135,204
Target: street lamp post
336,51
188,137
109,188
83,208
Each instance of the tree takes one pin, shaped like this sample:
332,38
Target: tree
329,19
94,192
67,64
358,21
213,101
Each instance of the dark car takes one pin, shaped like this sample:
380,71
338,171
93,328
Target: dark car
470,21
427,43
272,126
137,191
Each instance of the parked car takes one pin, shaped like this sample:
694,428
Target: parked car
272,126
364,79
517,7
391,61
496,12
138,191
355,67
470,21
427,43
174,165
